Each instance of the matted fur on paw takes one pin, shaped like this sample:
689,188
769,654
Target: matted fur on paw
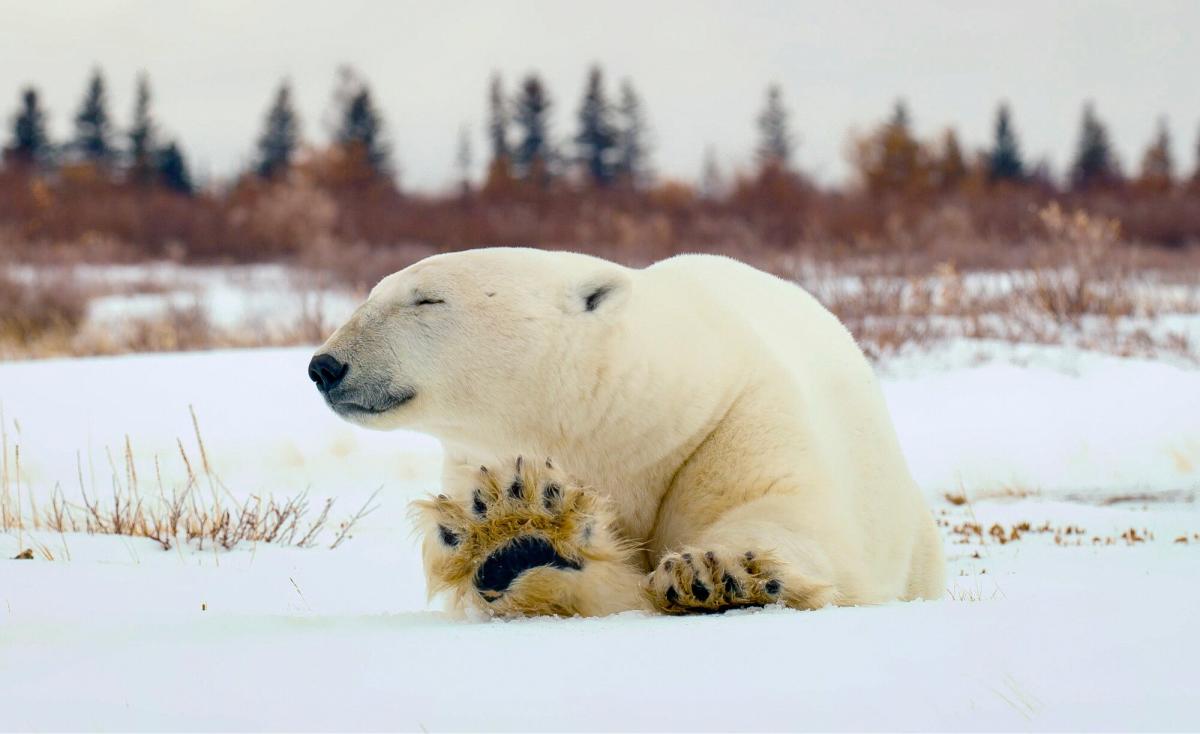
504,543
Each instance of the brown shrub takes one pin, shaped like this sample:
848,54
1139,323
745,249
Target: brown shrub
1079,270
39,308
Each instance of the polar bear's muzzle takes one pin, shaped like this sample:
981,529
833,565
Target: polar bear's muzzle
349,398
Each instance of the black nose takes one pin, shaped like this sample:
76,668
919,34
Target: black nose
326,371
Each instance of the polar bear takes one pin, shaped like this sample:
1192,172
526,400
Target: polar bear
716,438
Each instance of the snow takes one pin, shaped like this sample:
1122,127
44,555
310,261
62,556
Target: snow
266,297
1089,631
1055,422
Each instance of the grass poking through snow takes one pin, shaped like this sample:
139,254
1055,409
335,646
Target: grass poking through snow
201,512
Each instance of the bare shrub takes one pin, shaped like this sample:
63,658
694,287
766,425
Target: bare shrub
179,328
40,308
357,267
1078,270
290,216
1079,288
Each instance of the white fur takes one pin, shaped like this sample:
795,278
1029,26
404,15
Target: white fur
716,405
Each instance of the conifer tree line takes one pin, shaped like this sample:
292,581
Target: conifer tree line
609,148
139,154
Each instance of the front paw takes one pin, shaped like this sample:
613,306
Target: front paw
508,542
713,581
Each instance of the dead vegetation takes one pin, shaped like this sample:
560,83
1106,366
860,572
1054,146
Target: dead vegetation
1074,281
38,308
971,532
967,529
1079,287
50,317
201,512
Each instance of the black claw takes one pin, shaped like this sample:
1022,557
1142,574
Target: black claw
772,587
710,557
448,537
551,494
700,591
687,557
479,505
517,488
732,587
749,555
668,564
672,595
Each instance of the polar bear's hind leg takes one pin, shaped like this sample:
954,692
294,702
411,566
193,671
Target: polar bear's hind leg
754,555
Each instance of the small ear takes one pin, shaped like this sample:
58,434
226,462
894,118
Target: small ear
603,293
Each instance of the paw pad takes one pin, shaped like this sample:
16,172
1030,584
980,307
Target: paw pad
503,566
501,530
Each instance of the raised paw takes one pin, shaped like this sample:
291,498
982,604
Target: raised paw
513,540
713,581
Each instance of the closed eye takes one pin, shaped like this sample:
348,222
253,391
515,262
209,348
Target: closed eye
426,301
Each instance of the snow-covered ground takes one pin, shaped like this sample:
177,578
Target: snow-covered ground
1087,620
264,298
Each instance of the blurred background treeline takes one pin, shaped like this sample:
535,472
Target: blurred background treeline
119,188
110,242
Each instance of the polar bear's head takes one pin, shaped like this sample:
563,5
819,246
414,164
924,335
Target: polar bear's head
475,342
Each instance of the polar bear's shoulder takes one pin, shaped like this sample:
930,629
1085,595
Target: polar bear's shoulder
784,316
741,287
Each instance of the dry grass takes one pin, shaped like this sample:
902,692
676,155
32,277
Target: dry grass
201,512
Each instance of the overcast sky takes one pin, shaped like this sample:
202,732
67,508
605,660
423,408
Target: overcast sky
701,67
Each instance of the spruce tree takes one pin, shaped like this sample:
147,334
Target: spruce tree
901,120
1158,167
952,167
142,136
892,160
498,123
173,170
280,136
633,138
775,140
93,126
1196,173
360,128
30,144
531,116
1095,163
464,159
1004,159
597,137
712,182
